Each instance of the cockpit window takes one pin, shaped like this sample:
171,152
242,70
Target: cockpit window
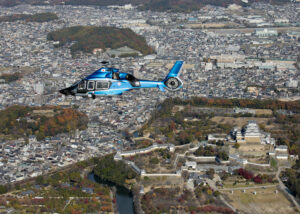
133,81
82,85
91,85
115,76
102,85
130,77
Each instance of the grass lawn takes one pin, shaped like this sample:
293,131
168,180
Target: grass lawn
265,201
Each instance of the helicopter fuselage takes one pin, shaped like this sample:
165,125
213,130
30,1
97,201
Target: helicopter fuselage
109,81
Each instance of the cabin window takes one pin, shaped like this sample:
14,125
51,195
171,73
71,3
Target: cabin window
82,85
102,85
91,85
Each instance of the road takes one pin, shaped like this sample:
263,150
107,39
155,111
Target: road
67,204
212,184
229,205
285,189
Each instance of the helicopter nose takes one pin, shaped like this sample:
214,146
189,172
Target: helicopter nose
63,91
66,91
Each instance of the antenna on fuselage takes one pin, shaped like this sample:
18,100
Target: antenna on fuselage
105,63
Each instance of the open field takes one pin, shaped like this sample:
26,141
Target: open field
263,111
181,200
240,121
265,201
295,98
250,30
206,25
254,152
160,161
161,181
23,70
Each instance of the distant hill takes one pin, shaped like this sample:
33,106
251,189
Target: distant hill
22,121
38,17
11,77
190,5
87,38
155,5
11,3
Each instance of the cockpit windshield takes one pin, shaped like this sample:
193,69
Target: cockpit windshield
132,80
130,77
82,85
115,75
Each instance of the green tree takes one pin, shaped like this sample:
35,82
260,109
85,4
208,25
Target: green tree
273,163
39,180
198,192
90,37
222,155
17,186
216,193
211,173
154,160
237,146
184,137
75,176
3,189
114,171
209,192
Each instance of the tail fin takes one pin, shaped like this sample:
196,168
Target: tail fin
172,81
175,71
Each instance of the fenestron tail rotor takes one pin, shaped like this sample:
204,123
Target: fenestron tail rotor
173,83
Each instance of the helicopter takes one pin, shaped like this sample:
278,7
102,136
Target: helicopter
108,81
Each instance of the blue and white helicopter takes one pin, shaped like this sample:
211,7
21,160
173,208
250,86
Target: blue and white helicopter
109,81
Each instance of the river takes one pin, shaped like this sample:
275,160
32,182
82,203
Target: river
124,196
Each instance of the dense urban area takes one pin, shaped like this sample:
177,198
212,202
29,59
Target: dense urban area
227,142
